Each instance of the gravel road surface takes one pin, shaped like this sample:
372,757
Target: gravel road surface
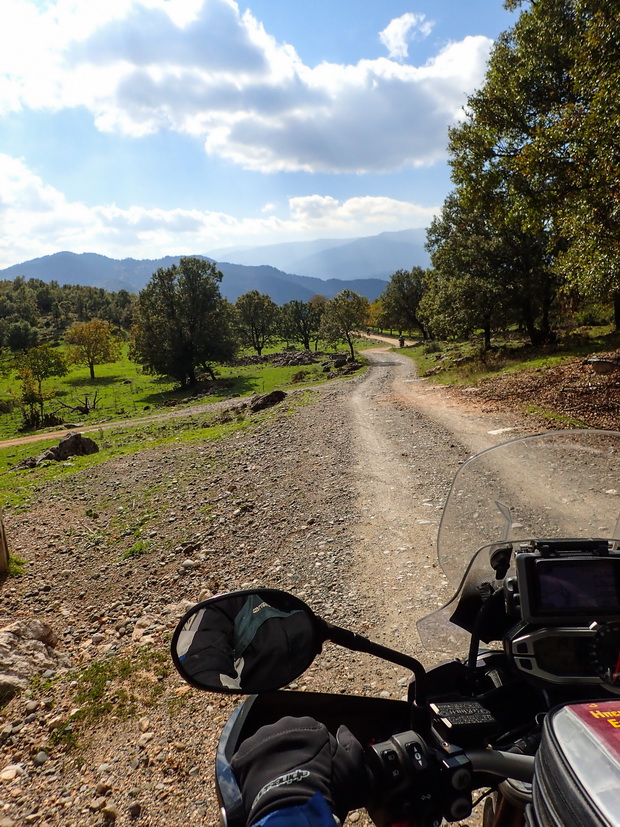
335,495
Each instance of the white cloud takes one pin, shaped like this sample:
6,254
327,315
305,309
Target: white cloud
400,31
38,220
355,215
201,68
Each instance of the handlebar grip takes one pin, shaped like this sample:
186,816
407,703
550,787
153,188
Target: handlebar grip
506,764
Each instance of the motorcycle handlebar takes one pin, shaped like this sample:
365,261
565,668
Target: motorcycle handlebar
505,764
420,779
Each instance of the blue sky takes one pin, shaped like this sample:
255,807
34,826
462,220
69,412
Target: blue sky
150,127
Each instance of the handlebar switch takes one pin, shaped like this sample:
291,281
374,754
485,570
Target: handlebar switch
457,783
417,755
512,596
407,776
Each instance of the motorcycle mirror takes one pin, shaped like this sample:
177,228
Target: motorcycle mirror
499,558
246,642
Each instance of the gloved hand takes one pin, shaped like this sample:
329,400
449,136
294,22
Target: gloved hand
286,763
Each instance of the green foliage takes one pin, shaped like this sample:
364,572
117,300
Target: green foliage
593,314
258,320
19,335
301,321
125,391
467,362
92,343
342,316
16,566
376,316
7,361
18,489
473,283
182,322
573,145
122,387
401,301
114,685
33,310
36,365
536,162
42,362
139,547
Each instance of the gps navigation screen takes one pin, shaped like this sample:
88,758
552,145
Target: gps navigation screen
578,585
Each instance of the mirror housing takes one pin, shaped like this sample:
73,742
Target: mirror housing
246,642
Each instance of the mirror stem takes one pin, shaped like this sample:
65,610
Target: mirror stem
357,643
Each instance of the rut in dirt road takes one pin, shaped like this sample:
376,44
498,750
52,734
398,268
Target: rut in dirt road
409,442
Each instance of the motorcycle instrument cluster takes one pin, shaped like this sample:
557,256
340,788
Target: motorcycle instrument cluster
569,601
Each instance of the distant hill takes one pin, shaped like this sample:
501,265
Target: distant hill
375,256
132,274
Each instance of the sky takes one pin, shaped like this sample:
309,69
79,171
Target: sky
144,128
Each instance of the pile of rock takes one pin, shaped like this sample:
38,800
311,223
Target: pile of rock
339,364
26,650
284,359
72,445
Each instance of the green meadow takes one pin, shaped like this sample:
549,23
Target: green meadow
125,391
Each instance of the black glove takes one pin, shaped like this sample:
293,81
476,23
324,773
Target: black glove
286,763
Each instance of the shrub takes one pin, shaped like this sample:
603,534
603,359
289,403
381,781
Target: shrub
300,375
138,548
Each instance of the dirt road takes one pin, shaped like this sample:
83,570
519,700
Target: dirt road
337,501
410,438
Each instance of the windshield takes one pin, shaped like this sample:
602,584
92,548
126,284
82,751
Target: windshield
555,485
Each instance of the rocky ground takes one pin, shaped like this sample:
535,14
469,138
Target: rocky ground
573,392
269,506
334,495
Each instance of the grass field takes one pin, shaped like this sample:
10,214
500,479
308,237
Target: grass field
124,390
18,488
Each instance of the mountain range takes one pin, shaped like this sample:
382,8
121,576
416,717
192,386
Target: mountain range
356,261
376,256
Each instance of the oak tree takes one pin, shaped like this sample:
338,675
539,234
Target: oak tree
343,315
92,343
258,318
182,322
301,321
33,368
401,300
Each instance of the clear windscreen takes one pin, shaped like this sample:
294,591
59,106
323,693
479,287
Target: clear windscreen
564,484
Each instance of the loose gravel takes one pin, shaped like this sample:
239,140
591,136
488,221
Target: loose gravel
334,495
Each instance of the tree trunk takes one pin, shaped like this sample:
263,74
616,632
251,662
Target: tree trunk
91,367
350,341
528,321
545,324
4,548
487,334
41,402
616,298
